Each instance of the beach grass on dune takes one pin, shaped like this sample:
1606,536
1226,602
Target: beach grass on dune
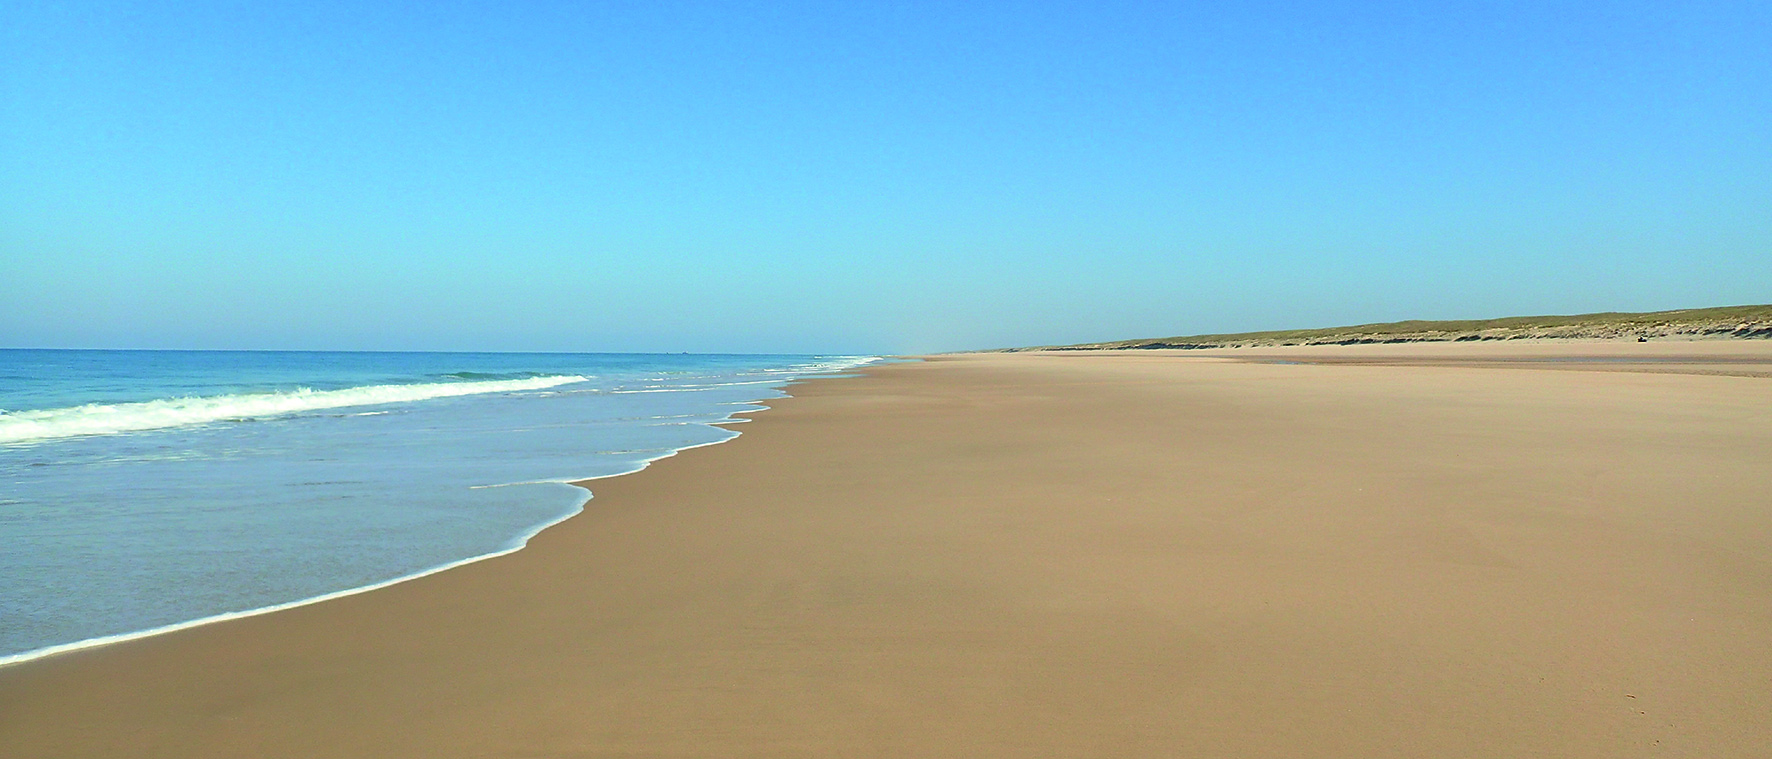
1725,321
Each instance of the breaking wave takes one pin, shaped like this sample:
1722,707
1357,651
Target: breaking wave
106,419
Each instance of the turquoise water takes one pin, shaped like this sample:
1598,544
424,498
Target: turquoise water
142,489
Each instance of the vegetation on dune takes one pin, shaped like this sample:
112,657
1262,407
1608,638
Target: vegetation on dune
1723,322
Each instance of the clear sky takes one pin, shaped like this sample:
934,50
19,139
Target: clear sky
865,176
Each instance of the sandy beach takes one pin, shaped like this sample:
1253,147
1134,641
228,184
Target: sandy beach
1472,550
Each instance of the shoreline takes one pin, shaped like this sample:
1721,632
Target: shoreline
515,544
1005,555
520,542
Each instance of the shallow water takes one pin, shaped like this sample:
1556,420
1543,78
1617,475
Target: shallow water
144,489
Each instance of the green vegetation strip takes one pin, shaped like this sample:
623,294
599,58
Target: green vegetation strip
1723,322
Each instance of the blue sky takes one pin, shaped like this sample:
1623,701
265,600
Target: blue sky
865,177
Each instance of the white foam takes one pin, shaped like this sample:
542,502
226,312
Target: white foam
105,419
839,363
513,546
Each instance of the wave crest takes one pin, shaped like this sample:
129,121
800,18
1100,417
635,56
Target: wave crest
107,419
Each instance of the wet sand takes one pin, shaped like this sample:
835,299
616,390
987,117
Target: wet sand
1375,552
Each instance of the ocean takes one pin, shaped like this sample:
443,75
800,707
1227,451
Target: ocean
142,491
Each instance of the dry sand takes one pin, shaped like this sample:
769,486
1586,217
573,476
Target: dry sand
1064,555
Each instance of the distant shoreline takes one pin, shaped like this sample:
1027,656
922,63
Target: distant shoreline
1421,550
1727,322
